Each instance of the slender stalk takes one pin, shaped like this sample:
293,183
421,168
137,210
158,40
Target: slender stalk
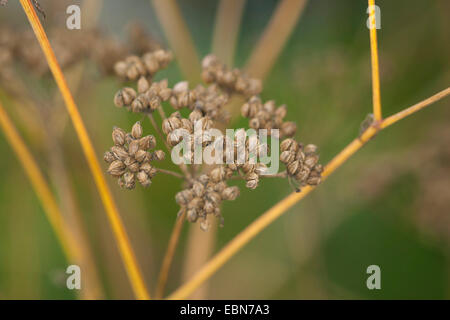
281,207
40,186
168,257
126,251
179,38
275,37
374,61
182,166
402,114
226,30
171,173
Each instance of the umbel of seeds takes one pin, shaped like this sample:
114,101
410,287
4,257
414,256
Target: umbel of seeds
130,159
204,196
301,162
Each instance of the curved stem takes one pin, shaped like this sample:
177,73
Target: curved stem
165,267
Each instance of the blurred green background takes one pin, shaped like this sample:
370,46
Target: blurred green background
389,205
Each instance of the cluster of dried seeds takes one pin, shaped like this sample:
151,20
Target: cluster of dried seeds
204,196
149,97
231,81
267,116
130,159
205,193
135,67
301,162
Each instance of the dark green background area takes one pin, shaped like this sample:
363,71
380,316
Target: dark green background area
366,213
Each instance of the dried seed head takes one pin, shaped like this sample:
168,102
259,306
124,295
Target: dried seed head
289,145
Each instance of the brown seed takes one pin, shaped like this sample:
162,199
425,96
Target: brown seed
289,145
292,168
217,174
133,167
146,167
198,189
311,160
118,136
230,193
214,197
128,179
124,97
140,103
287,156
119,152
288,129
143,85
116,168
171,124
133,147
136,130
159,155
140,155
310,148
143,179
147,142
184,197
252,184
109,157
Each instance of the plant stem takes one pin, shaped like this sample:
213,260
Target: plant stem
374,61
179,38
172,173
40,186
121,236
226,30
168,257
281,207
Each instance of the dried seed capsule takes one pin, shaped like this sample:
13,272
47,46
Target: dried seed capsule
118,136
128,179
109,157
133,167
116,168
136,130
140,103
133,147
198,189
289,145
230,193
287,156
146,167
143,85
147,142
280,112
140,155
293,167
158,155
313,181
184,197
310,148
119,152
311,160
208,207
252,184
254,123
214,197
217,174
143,179
204,179
124,97
288,129
171,124
302,174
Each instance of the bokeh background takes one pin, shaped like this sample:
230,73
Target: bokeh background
389,205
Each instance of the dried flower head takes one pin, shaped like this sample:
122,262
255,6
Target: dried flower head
130,158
